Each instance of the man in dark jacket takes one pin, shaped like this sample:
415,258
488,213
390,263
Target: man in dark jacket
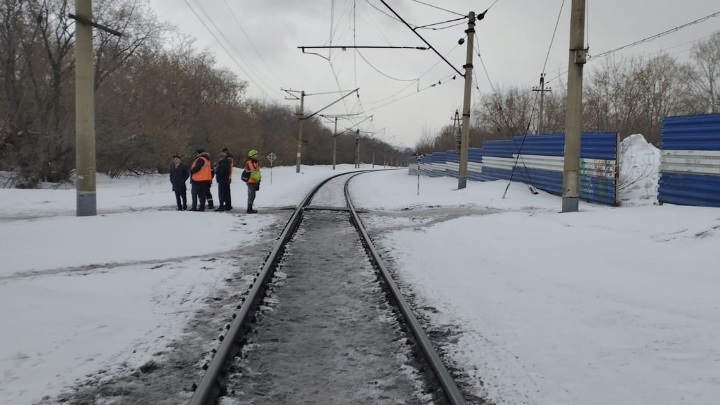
179,174
231,158
222,175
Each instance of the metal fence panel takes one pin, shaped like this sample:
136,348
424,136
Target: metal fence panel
537,160
690,160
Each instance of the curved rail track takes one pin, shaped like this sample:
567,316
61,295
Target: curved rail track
329,316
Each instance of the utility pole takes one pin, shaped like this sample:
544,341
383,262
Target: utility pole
456,131
357,149
573,119
85,168
542,91
335,135
465,138
300,129
85,112
302,117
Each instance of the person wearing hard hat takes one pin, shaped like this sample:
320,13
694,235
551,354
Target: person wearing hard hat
252,176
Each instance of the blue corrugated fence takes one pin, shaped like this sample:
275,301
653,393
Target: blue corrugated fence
690,160
536,160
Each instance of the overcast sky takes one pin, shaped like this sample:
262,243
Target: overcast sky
260,41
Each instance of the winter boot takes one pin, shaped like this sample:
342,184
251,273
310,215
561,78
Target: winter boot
250,210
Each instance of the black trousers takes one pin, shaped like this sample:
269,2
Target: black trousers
181,199
199,192
252,189
224,195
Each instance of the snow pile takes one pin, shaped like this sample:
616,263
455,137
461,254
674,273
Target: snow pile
639,172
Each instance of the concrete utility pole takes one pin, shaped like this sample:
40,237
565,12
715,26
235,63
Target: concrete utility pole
573,119
335,135
335,132
84,112
465,138
300,129
456,131
542,91
85,108
357,149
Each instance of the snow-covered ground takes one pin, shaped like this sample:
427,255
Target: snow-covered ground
604,306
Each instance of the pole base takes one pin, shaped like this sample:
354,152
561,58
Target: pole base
570,204
462,183
86,205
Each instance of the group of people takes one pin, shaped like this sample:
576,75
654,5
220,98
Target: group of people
201,173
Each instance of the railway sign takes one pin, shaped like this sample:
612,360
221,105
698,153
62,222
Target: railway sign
271,157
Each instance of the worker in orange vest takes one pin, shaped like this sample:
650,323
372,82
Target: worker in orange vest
200,179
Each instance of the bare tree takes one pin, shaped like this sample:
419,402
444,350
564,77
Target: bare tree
427,142
506,113
706,81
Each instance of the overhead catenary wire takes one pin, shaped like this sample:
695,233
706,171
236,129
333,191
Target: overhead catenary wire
641,41
417,80
442,28
507,125
382,12
259,79
552,39
423,39
491,6
439,8
262,59
357,51
359,101
434,84
249,76
656,36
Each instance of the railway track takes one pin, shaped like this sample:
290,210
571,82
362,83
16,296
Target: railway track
324,323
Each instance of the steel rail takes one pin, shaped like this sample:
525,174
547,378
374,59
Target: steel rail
452,392
209,389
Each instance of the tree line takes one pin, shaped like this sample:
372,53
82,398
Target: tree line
155,95
628,96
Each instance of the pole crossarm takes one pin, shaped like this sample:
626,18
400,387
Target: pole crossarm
329,105
292,93
346,47
367,118
328,92
85,21
338,115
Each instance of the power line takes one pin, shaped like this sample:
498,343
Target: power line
223,46
421,37
237,20
237,51
661,34
357,51
557,22
381,11
439,82
491,6
417,80
439,8
482,63
427,26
